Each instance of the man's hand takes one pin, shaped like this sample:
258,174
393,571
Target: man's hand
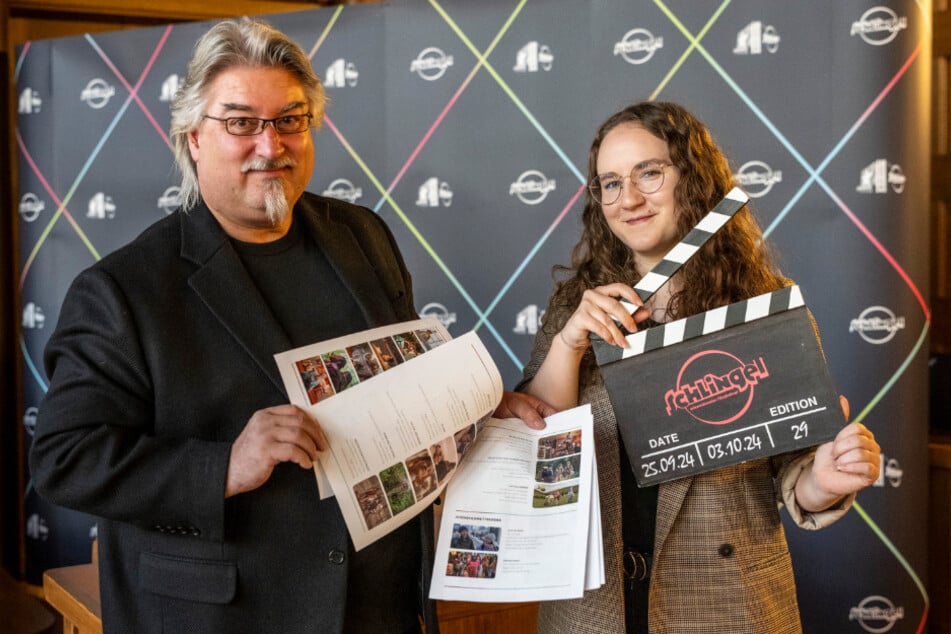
284,433
531,410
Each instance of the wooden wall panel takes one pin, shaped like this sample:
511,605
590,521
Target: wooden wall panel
941,181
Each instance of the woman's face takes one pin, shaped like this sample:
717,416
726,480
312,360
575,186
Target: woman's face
646,223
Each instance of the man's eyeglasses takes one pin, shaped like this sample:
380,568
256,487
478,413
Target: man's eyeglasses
647,179
250,126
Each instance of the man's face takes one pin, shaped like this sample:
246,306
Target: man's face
241,177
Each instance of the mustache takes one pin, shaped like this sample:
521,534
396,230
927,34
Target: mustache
268,164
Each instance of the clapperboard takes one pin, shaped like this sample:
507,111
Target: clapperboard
743,381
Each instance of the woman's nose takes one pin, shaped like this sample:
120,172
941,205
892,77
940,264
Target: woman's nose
630,196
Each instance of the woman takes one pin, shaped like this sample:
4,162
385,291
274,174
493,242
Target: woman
705,553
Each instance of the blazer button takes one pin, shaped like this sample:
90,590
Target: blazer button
336,557
725,550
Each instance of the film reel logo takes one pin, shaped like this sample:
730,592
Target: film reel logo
431,63
877,325
532,187
638,46
343,189
757,178
876,614
97,93
878,26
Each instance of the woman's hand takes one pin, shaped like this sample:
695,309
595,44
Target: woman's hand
847,463
599,313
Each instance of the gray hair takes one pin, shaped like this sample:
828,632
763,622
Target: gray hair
227,45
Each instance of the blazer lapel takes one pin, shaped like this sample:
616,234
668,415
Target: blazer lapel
347,257
668,508
225,287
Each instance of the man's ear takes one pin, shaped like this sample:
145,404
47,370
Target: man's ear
193,148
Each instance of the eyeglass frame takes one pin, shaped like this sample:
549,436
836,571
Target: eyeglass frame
594,185
262,123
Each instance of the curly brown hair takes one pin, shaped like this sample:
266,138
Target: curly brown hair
735,264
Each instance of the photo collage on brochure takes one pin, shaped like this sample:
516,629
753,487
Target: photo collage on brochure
557,470
473,548
399,486
338,370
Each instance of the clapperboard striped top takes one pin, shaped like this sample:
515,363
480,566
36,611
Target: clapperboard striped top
703,324
696,238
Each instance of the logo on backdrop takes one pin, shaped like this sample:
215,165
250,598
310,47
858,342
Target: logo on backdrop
532,187
101,207
431,63
342,189
433,193
877,325
97,93
29,420
638,46
890,471
36,528
876,614
171,199
878,177
29,102
879,26
757,178
31,207
533,57
718,383
528,320
754,38
341,74
169,88
434,310
33,317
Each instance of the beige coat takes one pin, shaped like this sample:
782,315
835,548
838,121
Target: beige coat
721,562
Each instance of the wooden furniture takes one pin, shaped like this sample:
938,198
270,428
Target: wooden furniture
74,592
461,617
20,610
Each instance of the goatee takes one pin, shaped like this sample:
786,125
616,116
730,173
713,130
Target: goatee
275,202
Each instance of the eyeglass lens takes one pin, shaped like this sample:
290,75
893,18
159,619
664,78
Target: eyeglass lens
606,190
249,126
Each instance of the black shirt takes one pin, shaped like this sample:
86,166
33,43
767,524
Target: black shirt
312,304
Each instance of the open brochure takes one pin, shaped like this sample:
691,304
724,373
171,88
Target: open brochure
400,405
520,519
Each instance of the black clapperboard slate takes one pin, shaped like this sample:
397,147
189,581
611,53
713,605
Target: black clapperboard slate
732,384
723,387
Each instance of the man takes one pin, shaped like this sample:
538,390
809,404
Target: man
166,416
462,540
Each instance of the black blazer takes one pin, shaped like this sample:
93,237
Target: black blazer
162,352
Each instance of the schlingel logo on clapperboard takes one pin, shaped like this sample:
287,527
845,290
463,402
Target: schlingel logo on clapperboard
715,387
723,387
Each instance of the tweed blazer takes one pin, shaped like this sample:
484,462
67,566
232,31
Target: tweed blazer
721,562
162,352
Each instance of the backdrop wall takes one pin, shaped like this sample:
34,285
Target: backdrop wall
466,126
